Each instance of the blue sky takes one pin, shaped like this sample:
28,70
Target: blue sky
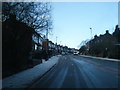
72,21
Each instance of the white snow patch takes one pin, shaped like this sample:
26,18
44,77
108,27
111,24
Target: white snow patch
108,59
25,78
43,60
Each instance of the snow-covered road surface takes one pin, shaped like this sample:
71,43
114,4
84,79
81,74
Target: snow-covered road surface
79,72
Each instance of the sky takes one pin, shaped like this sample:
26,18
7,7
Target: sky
72,21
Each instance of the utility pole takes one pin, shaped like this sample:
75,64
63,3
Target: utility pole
47,31
56,44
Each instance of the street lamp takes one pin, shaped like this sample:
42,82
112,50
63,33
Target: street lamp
56,39
91,32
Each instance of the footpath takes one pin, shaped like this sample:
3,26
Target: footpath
25,78
107,59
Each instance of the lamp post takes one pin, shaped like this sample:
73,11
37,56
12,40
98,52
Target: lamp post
89,41
91,32
56,39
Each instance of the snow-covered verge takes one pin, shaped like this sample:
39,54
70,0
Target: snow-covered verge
108,59
25,78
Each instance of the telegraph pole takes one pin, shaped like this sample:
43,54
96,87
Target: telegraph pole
47,31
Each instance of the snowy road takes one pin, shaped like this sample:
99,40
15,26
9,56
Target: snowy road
79,72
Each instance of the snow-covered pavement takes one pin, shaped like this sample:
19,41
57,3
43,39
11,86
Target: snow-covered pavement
25,78
108,59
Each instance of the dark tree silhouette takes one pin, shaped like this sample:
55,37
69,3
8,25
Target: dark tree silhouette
82,50
20,20
16,45
37,15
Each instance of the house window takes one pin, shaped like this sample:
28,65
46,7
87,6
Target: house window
35,47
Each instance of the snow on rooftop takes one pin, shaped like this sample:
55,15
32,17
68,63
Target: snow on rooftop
25,78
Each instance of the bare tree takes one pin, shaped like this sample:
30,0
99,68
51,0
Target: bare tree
35,14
